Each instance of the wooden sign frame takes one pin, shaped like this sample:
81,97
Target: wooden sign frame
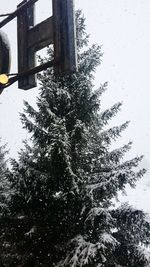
59,30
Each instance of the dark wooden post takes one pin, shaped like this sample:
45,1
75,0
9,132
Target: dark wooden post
64,36
26,56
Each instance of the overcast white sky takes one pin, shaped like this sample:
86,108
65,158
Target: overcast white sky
122,27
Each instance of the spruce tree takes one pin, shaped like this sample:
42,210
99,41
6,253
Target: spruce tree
5,198
61,211
4,185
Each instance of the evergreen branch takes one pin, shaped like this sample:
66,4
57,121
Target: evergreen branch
116,155
113,133
108,114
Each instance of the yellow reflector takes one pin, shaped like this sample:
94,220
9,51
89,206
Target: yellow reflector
4,79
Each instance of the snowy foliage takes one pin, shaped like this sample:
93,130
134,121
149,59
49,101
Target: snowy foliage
61,211
4,184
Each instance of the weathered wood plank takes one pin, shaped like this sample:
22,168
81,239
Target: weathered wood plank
41,35
26,57
64,36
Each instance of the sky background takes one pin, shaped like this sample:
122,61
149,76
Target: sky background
122,28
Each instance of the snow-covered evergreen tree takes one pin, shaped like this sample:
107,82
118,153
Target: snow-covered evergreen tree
64,183
4,184
5,197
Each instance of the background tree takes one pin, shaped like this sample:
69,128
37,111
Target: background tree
4,185
61,211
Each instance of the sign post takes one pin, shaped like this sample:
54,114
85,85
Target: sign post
64,36
26,57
